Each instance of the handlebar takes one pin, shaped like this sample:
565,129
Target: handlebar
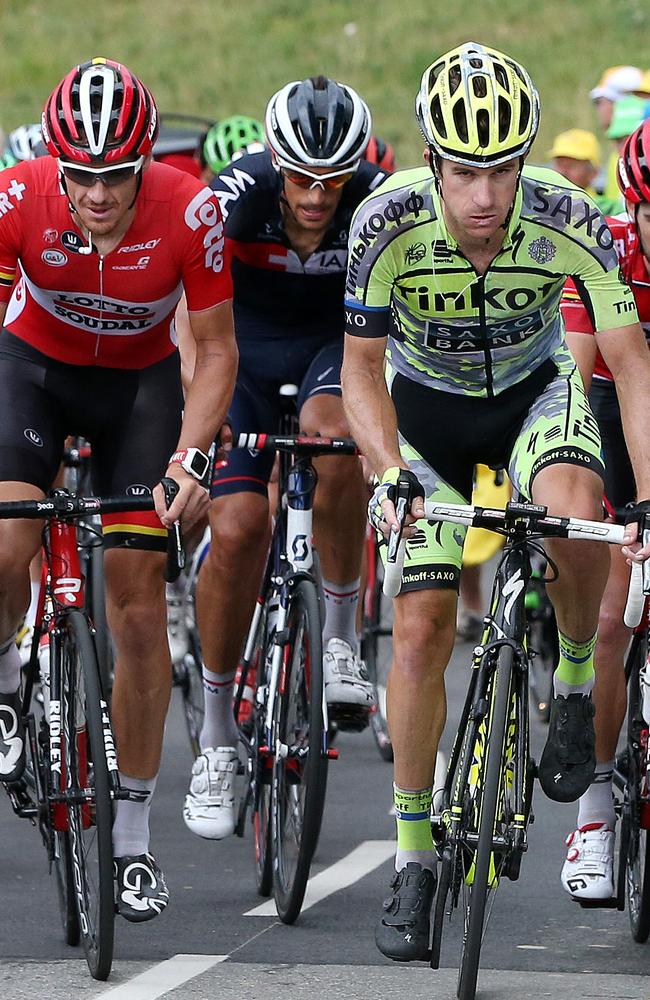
520,520
298,444
65,506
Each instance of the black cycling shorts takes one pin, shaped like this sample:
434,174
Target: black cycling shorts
132,419
256,406
620,486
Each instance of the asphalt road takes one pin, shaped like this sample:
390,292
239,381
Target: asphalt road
538,943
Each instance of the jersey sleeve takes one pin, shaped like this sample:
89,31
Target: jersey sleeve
206,262
369,284
596,272
12,195
575,316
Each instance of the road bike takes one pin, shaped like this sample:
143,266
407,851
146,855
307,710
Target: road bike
286,734
71,777
486,802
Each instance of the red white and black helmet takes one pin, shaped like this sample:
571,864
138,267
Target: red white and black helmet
633,173
99,113
317,123
380,152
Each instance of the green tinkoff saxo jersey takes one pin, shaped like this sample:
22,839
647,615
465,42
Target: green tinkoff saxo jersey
455,330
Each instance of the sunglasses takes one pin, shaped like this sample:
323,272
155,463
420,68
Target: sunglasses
333,181
110,176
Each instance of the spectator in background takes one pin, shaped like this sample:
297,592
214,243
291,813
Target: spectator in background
576,155
615,83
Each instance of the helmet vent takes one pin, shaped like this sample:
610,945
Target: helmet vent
460,121
479,86
483,127
437,116
524,114
454,79
502,76
505,119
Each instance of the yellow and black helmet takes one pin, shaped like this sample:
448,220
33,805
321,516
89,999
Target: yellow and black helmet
477,106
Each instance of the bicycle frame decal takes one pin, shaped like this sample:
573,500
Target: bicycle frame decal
67,584
109,742
55,736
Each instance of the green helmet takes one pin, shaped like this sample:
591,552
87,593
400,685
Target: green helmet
231,136
7,159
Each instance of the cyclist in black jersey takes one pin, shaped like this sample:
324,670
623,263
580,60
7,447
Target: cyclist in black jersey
455,354
287,214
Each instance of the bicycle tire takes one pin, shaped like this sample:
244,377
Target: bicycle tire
637,847
262,765
89,825
96,597
473,937
440,905
64,877
189,676
299,782
372,631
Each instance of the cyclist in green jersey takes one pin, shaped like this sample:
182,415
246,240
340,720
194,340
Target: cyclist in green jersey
455,354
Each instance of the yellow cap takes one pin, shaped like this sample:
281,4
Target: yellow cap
578,144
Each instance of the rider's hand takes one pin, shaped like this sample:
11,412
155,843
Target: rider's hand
381,508
633,548
224,446
190,503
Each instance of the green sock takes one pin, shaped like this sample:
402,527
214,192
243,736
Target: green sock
575,671
413,812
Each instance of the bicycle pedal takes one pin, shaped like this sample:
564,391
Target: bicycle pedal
597,904
349,718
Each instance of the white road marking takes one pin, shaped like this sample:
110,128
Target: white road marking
354,866
163,977
532,947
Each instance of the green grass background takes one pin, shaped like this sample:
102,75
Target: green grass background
218,57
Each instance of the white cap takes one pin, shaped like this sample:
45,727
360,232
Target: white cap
616,81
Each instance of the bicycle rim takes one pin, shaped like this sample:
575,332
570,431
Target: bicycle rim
97,608
89,820
299,779
192,689
637,808
485,876
376,652
65,885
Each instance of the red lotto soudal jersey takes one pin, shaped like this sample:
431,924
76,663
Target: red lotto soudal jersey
117,310
575,315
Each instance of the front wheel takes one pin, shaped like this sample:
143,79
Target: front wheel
485,875
84,715
300,761
636,811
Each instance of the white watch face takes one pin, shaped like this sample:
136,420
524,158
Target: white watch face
196,463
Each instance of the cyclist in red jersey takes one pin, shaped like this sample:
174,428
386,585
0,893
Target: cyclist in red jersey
587,874
103,242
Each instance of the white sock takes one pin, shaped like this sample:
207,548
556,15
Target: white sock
425,858
597,803
131,823
219,726
9,666
341,600
30,617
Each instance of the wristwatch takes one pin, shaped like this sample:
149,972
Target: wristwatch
193,460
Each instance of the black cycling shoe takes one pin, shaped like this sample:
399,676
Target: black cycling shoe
142,892
12,737
403,930
568,762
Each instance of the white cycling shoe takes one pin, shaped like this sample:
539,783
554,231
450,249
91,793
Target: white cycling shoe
209,809
345,677
588,872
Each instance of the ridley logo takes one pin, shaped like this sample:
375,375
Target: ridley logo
54,257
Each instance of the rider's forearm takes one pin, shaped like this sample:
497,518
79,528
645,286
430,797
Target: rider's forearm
372,417
209,393
633,389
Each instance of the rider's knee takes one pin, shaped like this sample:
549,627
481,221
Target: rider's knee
238,523
422,641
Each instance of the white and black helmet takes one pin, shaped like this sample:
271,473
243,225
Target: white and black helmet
317,123
26,142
